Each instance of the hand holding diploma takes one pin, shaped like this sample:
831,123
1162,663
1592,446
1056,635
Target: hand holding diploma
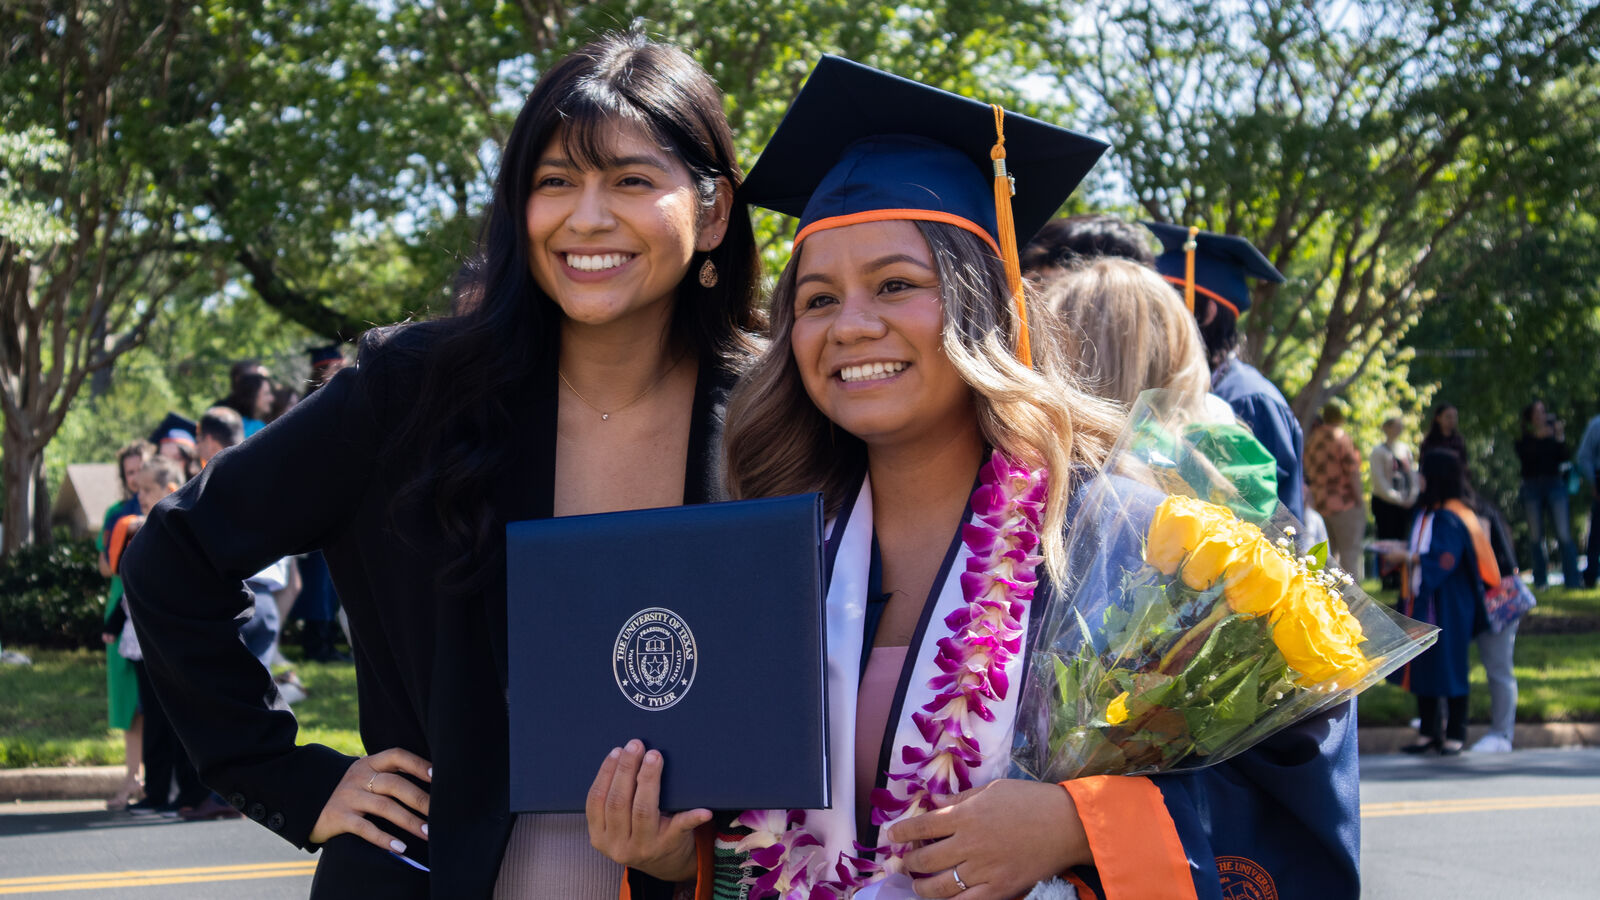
625,819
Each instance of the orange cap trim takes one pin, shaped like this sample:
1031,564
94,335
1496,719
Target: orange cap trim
1134,841
896,215
1209,293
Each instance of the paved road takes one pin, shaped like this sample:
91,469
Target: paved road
71,849
1513,825
1521,824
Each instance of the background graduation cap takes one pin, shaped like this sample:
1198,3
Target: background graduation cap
173,427
328,354
1221,262
860,145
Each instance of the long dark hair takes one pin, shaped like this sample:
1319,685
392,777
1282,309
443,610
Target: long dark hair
1527,417
1434,434
242,398
506,325
1443,478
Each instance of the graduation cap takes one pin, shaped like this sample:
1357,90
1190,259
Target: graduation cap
328,354
174,428
1215,265
860,145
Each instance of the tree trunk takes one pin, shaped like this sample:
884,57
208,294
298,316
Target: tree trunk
41,505
21,466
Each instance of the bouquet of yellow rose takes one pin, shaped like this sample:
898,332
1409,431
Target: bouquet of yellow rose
1190,629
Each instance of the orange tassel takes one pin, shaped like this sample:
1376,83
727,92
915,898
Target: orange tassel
1009,255
1188,268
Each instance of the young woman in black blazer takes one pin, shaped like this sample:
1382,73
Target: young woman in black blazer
609,310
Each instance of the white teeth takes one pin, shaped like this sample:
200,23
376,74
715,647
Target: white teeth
871,371
597,263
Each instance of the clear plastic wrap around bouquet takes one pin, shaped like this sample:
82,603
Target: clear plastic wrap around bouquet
1193,625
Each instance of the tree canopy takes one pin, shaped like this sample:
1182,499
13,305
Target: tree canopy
186,183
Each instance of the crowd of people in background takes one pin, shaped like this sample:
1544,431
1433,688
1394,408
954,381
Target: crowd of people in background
292,588
1444,547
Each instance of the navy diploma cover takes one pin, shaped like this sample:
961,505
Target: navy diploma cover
697,629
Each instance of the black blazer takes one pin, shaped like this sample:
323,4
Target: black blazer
431,673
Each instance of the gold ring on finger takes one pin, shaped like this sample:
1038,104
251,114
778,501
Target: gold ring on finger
370,781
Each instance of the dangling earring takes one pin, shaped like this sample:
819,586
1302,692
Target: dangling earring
708,274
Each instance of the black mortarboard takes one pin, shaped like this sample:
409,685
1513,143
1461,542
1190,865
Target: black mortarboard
1221,264
174,428
861,145
320,355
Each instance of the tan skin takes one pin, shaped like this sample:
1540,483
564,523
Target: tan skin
616,353
868,293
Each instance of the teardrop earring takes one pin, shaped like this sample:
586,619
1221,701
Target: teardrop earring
708,274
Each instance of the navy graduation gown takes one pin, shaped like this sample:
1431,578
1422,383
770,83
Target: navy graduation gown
1450,598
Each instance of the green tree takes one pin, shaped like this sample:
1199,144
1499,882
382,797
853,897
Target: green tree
87,235
1355,142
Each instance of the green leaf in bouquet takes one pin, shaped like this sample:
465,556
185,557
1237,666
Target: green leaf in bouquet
1235,637
1150,689
1084,752
1230,716
1163,738
1133,633
1319,557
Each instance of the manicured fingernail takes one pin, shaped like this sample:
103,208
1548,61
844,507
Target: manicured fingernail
424,829
430,771
654,756
635,745
615,752
397,846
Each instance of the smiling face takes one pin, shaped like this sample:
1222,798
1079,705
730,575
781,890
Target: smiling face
867,336
611,243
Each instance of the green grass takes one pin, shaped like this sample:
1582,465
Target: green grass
53,713
1558,674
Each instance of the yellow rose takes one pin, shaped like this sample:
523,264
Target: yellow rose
1117,709
1175,529
1261,581
1222,548
1312,630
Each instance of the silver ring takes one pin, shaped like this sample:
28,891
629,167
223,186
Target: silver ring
957,876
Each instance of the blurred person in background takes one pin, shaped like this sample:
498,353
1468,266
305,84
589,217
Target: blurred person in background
122,684
1541,449
252,399
1443,435
1393,471
1588,463
1449,564
1065,242
1333,472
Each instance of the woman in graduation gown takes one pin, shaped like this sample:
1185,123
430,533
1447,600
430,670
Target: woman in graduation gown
588,372
901,381
1447,567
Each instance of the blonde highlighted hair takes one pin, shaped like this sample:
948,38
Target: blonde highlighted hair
777,442
1126,331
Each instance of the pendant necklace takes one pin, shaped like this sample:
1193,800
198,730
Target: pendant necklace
606,416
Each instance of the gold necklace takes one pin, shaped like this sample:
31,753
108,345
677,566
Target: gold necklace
606,416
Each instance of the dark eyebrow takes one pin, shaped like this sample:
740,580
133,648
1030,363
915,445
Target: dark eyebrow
879,263
620,162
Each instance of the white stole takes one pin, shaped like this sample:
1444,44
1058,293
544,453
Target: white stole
846,611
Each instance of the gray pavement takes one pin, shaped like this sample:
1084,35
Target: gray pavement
1520,824
78,849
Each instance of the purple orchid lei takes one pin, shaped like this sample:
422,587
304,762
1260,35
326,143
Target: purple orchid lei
785,859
